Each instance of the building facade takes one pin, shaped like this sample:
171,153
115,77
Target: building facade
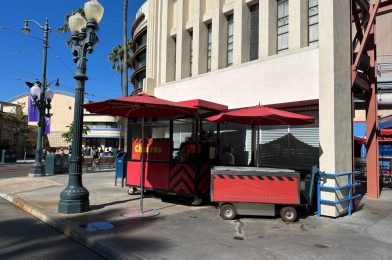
291,54
105,131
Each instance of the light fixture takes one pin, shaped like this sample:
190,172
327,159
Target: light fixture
49,94
94,11
35,91
26,30
76,23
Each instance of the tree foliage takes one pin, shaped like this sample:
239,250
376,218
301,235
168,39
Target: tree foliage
14,122
67,136
65,28
116,57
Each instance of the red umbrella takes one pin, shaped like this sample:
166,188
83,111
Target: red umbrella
261,115
140,106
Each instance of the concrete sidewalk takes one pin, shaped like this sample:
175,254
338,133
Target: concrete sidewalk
185,232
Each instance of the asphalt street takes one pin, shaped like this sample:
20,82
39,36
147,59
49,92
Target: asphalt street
24,237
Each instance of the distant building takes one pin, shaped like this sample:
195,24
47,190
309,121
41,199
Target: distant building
104,129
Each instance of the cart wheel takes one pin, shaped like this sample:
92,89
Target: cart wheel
288,214
228,212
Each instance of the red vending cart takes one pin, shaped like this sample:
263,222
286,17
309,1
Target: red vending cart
259,191
179,153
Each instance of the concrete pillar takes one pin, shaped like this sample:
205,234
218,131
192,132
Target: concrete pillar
219,36
335,98
267,28
241,32
153,42
168,54
183,42
298,24
200,34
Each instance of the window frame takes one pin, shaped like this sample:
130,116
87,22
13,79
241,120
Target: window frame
209,46
313,25
254,39
279,3
230,40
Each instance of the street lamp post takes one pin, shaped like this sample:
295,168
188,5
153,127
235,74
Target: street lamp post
75,198
38,169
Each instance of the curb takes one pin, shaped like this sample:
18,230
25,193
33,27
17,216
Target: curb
68,228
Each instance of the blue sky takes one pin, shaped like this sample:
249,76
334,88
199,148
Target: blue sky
21,56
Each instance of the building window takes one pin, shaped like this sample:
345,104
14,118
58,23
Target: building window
313,22
230,40
283,25
209,46
254,32
175,56
190,52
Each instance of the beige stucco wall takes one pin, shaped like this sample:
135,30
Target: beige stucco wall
62,110
63,113
284,78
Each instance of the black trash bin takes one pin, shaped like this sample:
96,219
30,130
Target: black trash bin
52,164
121,167
8,156
65,163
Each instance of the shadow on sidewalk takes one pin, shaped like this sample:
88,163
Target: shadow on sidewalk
101,206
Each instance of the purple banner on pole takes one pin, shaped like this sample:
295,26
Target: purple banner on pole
33,111
47,125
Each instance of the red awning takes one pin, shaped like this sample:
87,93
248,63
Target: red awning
261,115
205,105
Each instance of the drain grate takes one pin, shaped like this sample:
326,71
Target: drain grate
97,226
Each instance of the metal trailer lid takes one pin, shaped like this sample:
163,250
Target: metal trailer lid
257,171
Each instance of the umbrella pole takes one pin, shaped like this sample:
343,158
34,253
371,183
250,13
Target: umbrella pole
142,170
140,213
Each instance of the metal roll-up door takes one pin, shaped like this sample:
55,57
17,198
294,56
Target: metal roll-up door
293,147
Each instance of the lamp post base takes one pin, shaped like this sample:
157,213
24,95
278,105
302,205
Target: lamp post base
74,199
37,170
73,206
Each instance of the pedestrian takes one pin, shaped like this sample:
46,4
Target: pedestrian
228,157
95,153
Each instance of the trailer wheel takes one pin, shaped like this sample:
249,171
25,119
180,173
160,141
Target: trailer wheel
228,212
288,214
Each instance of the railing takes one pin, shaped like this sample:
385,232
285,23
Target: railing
349,186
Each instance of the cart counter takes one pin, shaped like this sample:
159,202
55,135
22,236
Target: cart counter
253,184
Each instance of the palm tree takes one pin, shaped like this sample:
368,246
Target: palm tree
117,58
64,28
